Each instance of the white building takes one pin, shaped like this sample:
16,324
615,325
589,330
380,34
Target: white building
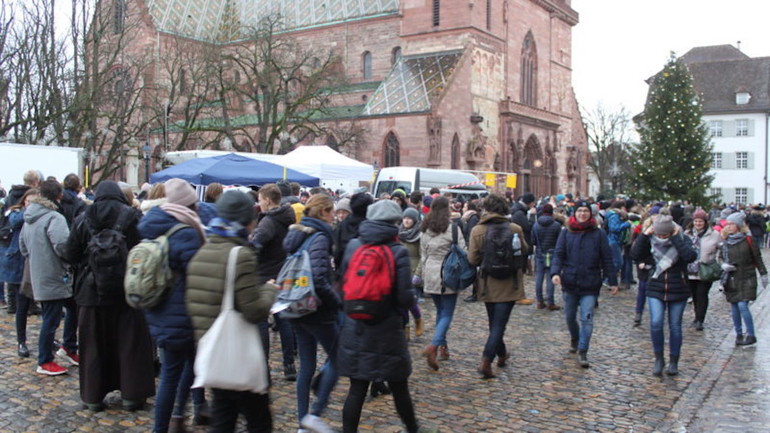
735,90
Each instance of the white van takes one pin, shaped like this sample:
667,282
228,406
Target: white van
459,183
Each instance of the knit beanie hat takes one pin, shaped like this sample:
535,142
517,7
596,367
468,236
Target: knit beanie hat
700,214
547,209
180,192
236,206
360,202
738,218
344,204
412,213
582,203
528,198
664,224
384,210
655,210
285,188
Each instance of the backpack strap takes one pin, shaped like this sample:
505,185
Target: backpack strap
454,232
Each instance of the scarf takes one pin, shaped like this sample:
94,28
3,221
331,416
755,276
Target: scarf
185,215
664,253
409,235
577,226
733,239
694,235
227,228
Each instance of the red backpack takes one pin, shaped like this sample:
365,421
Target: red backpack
368,283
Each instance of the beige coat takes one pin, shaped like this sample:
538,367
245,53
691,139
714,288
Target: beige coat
492,289
433,248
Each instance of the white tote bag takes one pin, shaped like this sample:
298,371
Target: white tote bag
230,354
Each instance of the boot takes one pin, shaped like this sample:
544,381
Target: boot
486,368
201,414
430,356
657,369
573,344
502,360
408,332
739,340
176,425
638,319
443,353
541,305
289,372
583,359
11,298
419,327
554,307
673,366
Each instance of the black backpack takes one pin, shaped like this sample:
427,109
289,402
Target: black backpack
107,254
498,260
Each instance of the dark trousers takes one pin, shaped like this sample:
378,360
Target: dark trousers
52,315
23,305
351,412
226,406
700,298
285,332
498,314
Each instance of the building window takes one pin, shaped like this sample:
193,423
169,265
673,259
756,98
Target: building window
716,160
741,195
741,159
742,127
455,161
119,18
395,55
392,151
715,128
489,14
742,98
716,193
366,61
529,71
436,12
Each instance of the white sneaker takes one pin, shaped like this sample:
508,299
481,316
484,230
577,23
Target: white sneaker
315,424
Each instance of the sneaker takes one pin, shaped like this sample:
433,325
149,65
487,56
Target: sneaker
51,369
68,356
315,424
289,372
23,351
748,340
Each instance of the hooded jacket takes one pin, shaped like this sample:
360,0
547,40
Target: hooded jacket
15,194
43,241
520,216
268,240
583,259
11,259
71,205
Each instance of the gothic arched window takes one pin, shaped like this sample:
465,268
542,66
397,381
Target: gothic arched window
366,65
529,71
392,151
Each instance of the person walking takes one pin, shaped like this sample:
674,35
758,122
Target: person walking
319,327
545,232
116,349
581,260
706,242
206,273
435,242
741,259
409,235
499,293
667,288
377,351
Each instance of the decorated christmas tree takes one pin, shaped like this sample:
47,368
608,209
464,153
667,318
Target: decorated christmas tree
673,158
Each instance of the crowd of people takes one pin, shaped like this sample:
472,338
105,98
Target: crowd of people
52,246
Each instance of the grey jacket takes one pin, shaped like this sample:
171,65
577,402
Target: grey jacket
43,241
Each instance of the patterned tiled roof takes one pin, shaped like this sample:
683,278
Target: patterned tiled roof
207,19
413,83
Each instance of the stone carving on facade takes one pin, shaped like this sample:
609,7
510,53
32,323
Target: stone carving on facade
572,163
434,140
476,151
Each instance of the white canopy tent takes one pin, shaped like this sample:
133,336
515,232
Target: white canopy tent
335,170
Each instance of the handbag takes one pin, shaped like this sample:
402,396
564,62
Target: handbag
710,271
297,297
230,354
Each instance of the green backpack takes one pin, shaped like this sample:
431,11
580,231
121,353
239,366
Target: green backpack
149,278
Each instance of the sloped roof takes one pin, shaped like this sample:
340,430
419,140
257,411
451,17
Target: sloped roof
718,82
209,19
714,53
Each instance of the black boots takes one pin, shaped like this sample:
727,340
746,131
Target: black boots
573,344
201,414
673,366
289,372
583,359
10,297
638,319
747,340
657,370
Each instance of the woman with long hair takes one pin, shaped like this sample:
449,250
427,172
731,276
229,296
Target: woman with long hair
435,242
706,241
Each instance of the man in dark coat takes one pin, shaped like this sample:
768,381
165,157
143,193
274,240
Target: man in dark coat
115,344
544,235
71,205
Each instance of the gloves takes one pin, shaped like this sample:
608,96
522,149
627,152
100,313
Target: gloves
416,281
726,267
763,278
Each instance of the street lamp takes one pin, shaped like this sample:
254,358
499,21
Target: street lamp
146,151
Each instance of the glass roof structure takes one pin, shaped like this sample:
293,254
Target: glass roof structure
413,84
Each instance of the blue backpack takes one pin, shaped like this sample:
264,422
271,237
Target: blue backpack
456,272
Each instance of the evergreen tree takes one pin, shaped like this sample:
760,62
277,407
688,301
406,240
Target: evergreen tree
673,159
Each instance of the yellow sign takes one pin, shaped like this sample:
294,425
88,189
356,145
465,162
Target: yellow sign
489,179
510,181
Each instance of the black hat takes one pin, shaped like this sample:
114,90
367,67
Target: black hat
528,198
236,206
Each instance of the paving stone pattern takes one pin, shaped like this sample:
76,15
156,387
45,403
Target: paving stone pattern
720,387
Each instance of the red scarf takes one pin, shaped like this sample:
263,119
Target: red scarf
576,226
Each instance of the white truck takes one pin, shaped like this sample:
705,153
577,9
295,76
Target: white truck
17,159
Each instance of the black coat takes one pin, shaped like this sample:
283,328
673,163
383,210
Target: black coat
378,351
544,234
671,285
71,205
583,259
756,222
346,231
520,216
268,240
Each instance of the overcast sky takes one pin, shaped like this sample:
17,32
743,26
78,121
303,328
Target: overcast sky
620,43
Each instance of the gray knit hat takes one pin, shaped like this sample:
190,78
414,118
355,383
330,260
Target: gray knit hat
344,204
739,218
664,224
384,210
236,206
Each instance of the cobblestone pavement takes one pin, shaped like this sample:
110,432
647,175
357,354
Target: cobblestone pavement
720,387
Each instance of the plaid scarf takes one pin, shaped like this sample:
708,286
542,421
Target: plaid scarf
664,253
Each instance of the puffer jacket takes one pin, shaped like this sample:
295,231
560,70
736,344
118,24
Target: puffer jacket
583,259
169,321
378,351
206,283
433,248
493,289
207,212
11,259
708,245
671,285
320,250
43,241
747,258
544,234
268,240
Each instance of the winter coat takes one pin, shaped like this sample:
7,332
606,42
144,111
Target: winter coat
268,240
520,216
15,194
493,289
708,243
756,223
616,227
146,205
109,205
11,259
433,248
320,250
469,219
206,283
207,212
169,321
544,235
71,205
378,351
344,233
43,241
747,258
583,260
671,285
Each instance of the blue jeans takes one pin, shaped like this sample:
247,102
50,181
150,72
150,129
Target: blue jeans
583,332
543,273
176,378
641,294
740,311
627,268
52,315
445,311
657,316
309,336
498,314
617,256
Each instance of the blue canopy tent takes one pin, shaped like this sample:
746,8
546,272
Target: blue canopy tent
232,169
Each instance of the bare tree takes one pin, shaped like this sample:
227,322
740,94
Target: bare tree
609,141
